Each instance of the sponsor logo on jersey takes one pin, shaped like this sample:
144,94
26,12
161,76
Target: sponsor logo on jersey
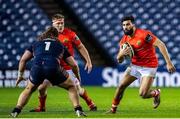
138,43
65,40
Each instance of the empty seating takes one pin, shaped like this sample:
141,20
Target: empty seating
22,22
102,18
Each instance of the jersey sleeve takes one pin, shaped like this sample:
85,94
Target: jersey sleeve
30,48
75,39
150,37
66,53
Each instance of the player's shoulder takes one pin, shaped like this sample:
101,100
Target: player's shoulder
57,45
36,42
143,31
68,30
124,37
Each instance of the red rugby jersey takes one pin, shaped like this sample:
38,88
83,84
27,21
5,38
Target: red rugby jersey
70,40
144,51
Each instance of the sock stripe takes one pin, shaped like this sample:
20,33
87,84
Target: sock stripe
156,92
113,105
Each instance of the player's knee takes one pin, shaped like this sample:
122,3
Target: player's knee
43,87
80,90
42,90
30,89
70,85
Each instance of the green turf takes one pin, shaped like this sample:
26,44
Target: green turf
59,105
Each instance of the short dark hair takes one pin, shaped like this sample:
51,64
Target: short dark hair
51,32
57,16
125,18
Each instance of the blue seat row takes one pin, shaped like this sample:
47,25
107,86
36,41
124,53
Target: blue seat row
102,19
21,23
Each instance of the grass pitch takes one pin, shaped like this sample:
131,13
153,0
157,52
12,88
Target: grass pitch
59,106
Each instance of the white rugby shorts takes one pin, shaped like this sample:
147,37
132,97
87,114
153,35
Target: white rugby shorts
140,71
73,77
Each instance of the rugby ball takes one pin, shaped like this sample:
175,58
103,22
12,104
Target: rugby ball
131,54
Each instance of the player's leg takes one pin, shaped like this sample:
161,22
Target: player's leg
148,75
84,95
62,79
73,95
146,92
82,92
42,96
68,85
127,80
23,98
35,79
124,83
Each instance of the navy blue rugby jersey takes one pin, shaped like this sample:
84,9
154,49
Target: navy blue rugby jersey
48,52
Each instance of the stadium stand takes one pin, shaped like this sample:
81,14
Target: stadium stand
22,21
102,18
51,7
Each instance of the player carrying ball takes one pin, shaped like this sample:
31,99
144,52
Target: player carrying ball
144,63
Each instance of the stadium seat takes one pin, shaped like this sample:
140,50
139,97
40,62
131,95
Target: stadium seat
22,22
102,18
19,29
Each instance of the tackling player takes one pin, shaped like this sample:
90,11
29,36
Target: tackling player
144,63
46,65
70,40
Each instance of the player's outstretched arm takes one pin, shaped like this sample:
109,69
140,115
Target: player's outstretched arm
70,61
162,47
84,53
22,65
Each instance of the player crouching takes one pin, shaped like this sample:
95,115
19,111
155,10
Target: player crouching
46,54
